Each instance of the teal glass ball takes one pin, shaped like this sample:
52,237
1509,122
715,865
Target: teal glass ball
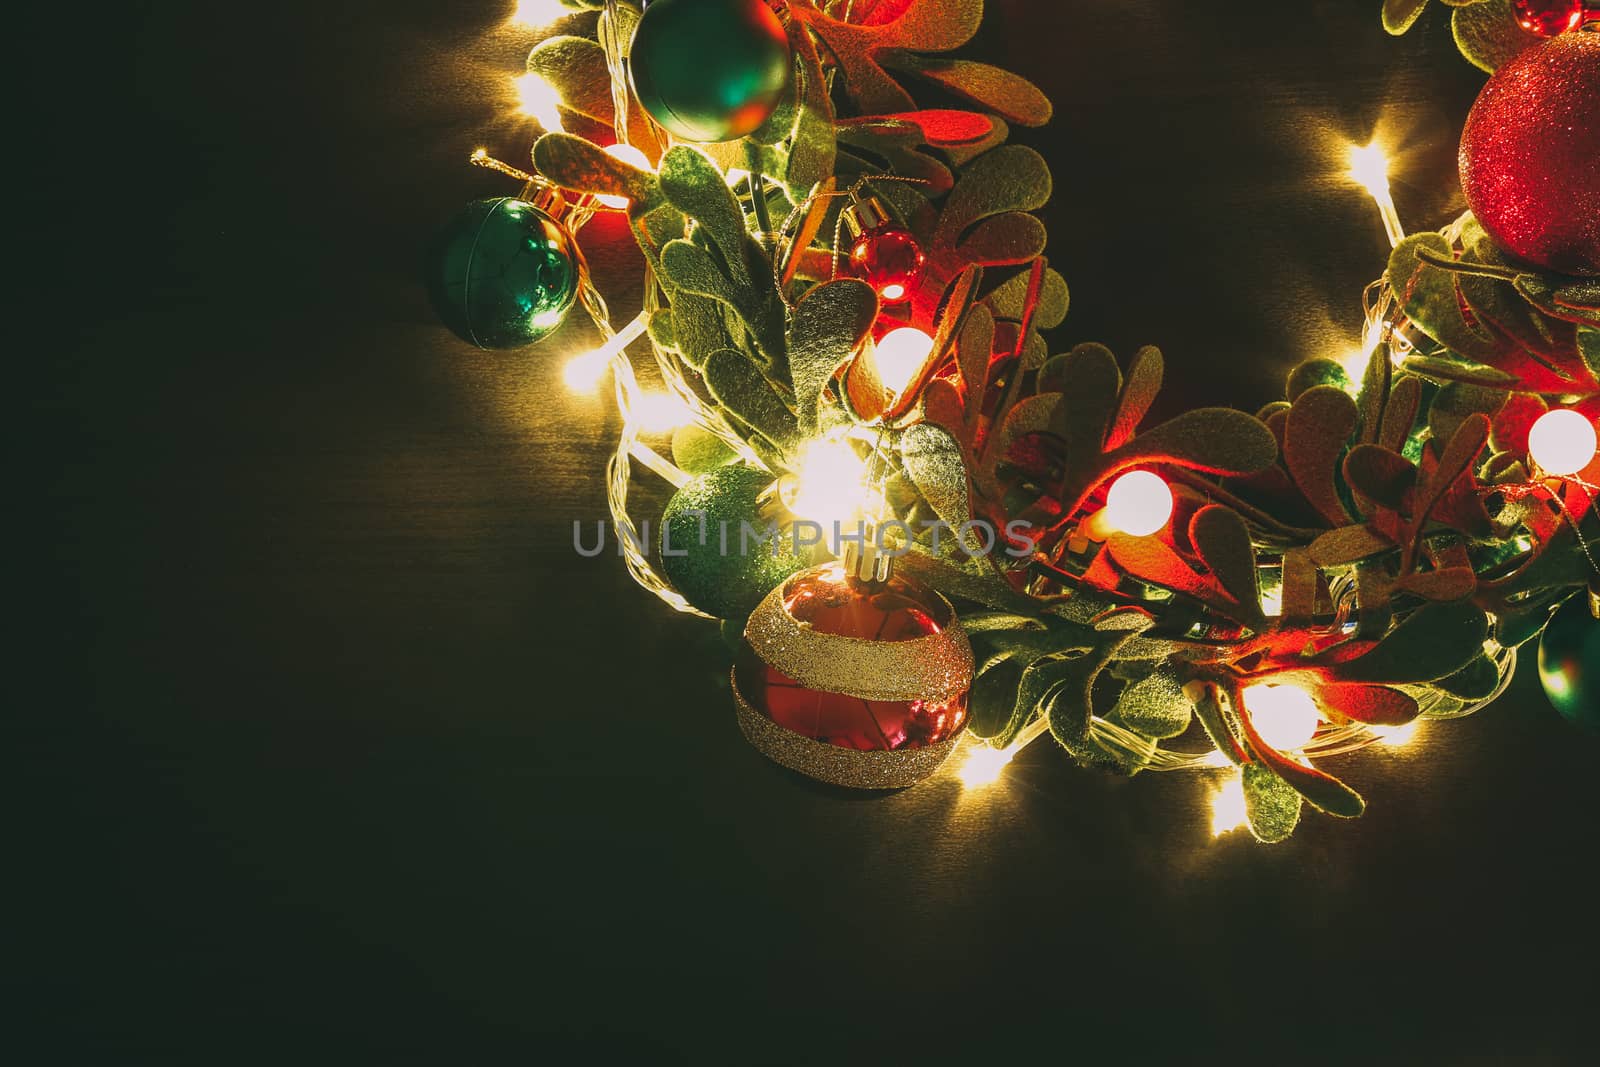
503,274
719,573
709,70
1569,663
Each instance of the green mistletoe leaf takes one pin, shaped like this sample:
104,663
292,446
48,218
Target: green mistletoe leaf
1270,804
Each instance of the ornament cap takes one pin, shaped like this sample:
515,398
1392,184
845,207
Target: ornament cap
864,212
865,560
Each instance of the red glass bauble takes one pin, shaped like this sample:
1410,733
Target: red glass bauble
889,259
1530,155
1548,17
826,601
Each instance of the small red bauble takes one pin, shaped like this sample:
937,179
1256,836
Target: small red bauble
1530,155
889,259
1547,18
883,253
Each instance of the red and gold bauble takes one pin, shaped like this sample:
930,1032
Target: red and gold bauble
854,676
883,253
1530,155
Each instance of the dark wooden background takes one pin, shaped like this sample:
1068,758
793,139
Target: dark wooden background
331,750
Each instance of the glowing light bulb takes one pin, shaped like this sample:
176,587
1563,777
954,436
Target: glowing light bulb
1227,807
583,373
536,13
1562,442
1139,503
659,412
900,355
1369,168
984,766
829,484
632,156
1284,715
1397,736
538,98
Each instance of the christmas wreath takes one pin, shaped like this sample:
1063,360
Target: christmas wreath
920,520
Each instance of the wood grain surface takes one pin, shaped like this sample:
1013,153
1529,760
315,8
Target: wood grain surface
333,750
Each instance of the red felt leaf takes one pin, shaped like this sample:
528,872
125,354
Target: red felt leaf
1373,704
941,127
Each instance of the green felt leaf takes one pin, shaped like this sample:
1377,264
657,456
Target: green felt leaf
1320,424
1456,401
1222,539
942,405
1400,413
1006,301
1009,178
1138,393
1428,295
1476,681
992,698
974,349
1452,370
1004,240
1436,640
739,387
1398,15
1348,544
1093,381
1487,34
1380,475
692,269
1038,681
574,163
698,328
1070,704
694,185
933,460
576,68
1271,805
1558,297
1009,95
828,326
1376,383
1205,698
1155,705
1299,586
1324,791
697,450
1212,440
1312,373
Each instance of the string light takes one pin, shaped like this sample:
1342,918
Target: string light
900,355
1369,168
1227,807
659,412
583,373
627,153
1139,503
1284,715
538,98
829,484
535,14
984,766
1397,736
1562,442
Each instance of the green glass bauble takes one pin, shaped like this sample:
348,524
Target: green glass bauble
503,274
1569,662
705,557
709,70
